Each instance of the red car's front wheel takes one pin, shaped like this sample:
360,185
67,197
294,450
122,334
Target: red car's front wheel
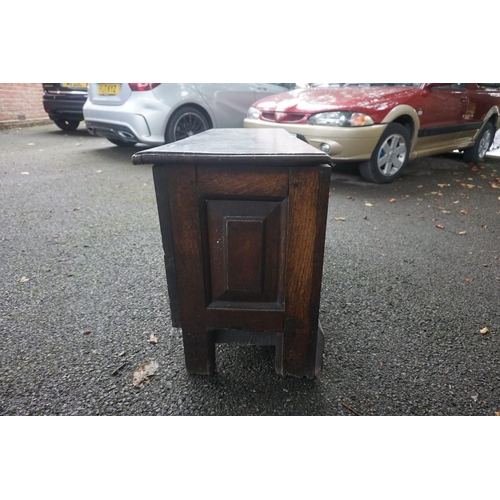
389,156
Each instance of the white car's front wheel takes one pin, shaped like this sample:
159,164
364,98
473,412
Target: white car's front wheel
389,156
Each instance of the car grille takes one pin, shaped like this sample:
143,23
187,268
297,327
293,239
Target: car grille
282,117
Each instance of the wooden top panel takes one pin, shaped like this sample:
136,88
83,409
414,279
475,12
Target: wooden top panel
238,146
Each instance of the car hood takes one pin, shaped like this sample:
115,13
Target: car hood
363,99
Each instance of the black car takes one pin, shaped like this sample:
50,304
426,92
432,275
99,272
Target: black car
64,103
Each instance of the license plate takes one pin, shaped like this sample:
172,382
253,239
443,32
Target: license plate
75,85
108,89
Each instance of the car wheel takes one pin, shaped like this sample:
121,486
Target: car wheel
122,144
389,156
477,152
185,122
67,124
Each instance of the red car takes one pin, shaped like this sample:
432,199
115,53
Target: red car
383,125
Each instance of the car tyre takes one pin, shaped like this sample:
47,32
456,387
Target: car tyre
185,122
122,144
67,124
389,156
476,153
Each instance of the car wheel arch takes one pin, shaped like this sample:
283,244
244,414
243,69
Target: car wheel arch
178,110
407,116
200,108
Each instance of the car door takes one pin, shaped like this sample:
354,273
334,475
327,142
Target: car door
442,111
229,102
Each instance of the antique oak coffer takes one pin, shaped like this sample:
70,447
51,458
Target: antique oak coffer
243,219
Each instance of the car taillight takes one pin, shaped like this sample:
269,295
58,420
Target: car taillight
139,87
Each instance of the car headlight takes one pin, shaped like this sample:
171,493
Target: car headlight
253,113
341,119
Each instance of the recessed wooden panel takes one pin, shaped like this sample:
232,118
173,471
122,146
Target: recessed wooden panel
244,253
246,244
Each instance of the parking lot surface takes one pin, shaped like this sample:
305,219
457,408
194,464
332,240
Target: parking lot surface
410,298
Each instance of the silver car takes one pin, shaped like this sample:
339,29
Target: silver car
159,113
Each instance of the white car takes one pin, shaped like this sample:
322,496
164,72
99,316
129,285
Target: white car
159,113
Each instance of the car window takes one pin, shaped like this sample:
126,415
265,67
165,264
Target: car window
489,85
290,86
381,84
452,86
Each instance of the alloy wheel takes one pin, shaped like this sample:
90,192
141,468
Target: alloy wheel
484,144
392,155
187,125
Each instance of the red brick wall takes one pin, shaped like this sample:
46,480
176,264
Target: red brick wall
21,102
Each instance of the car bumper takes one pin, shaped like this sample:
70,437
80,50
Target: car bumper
64,107
147,126
116,132
346,144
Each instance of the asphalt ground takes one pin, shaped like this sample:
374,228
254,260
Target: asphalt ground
411,278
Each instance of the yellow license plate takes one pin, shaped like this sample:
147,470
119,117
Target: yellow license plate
109,89
75,85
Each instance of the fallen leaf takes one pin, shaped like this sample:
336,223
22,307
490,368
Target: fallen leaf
475,169
349,197
439,226
469,280
446,211
86,332
143,372
464,212
484,330
76,208
455,202
369,204
461,233
365,217
153,339
484,226
470,179
392,200
442,185
434,192
497,413
470,186
24,279
495,186
420,186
